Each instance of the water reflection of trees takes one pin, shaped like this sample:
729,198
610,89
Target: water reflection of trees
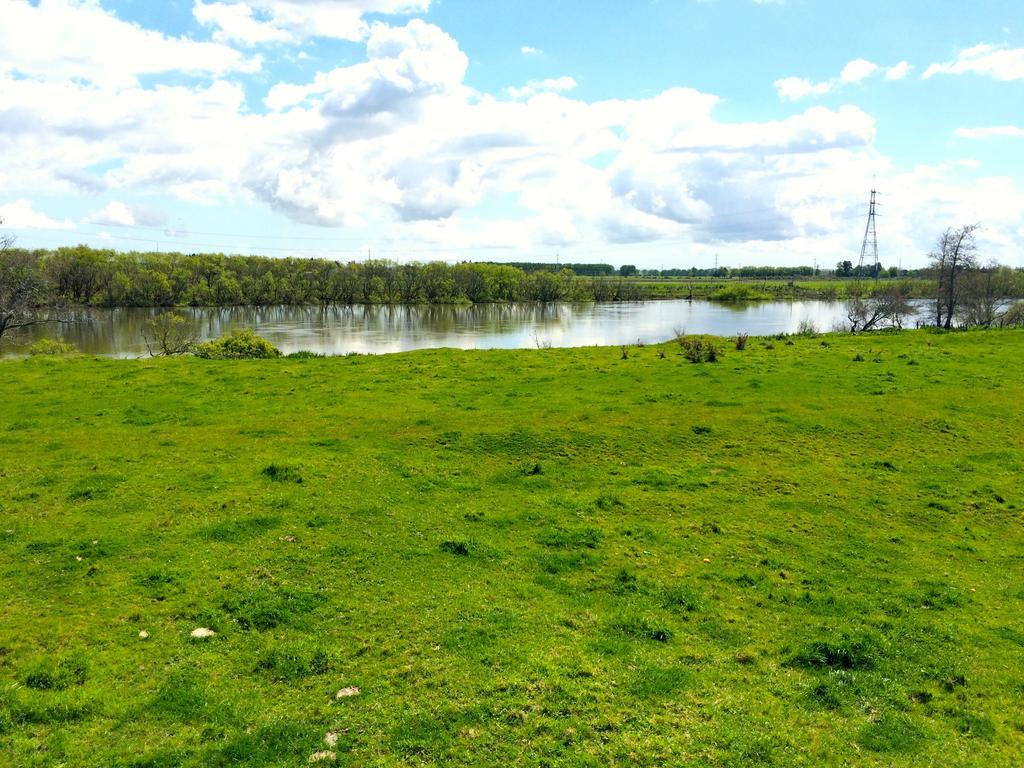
337,329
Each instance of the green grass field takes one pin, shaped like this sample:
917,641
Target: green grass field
804,554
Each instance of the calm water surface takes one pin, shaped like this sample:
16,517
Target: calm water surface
381,329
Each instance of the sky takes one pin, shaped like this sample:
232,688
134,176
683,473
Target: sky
660,133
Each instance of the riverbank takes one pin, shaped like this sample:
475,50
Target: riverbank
803,554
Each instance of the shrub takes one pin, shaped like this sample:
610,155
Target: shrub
238,345
304,354
807,328
51,347
1014,316
737,292
699,350
741,341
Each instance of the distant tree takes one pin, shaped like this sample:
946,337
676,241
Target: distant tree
844,268
627,270
955,255
985,291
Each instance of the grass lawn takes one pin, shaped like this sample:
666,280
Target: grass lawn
803,554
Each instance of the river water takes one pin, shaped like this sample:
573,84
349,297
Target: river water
382,329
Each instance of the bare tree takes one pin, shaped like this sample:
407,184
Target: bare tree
169,334
6,241
955,254
21,288
888,307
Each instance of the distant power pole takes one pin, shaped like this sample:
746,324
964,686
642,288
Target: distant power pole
870,246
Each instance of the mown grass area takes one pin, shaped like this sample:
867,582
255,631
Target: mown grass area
807,553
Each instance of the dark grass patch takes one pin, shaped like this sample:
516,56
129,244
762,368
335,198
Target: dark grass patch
15,712
293,662
458,548
237,531
556,563
892,732
56,674
634,627
939,596
578,538
421,735
266,607
281,743
842,651
976,726
185,697
282,473
653,681
94,487
679,597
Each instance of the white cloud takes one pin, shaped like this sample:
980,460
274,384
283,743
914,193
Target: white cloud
857,70
252,22
994,61
529,50
898,71
120,215
21,215
65,40
549,85
796,88
990,132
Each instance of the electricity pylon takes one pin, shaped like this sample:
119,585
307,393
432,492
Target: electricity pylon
870,246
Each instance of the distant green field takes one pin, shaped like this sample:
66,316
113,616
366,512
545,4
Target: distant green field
807,553
759,290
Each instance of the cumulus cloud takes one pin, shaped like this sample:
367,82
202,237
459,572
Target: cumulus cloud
121,215
857,70
65,40
400,141
998,62
21,215
251,22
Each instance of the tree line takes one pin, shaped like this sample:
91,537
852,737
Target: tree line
84,276
966,293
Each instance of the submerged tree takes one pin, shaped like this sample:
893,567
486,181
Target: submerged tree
169,334
888,307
